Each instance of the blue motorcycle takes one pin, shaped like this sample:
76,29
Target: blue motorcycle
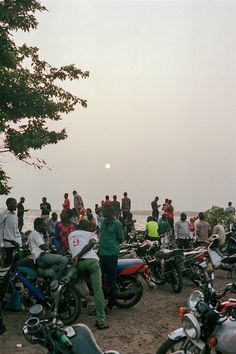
37,287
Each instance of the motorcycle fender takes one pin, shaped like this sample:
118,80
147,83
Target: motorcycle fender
177,334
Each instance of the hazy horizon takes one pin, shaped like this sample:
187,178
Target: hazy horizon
161,104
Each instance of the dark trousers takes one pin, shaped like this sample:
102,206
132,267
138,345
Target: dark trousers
184,243
9,256
20,222
109,269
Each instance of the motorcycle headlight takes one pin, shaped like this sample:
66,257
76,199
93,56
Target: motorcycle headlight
194,298
191,326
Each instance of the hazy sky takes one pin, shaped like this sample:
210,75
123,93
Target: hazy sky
161,103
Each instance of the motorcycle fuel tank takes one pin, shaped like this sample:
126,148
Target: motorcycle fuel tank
225,333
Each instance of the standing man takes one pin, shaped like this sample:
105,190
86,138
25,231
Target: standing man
182,232
125,206
66,204
219,230
111,235
20,213
45,208
163,225
78,201
164,206
9,230
155,209
202,228
170,213
107,200
81,244
116,206
230,209
151,229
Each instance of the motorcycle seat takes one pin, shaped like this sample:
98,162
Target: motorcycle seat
27,266
230,259
166,253
126,263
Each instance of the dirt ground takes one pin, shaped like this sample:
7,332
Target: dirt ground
138,330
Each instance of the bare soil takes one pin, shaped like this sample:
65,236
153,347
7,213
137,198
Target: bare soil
138,330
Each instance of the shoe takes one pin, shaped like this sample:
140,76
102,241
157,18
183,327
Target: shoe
107,310
103,326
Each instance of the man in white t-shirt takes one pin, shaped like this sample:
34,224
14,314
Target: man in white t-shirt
9,231
38,249
81,244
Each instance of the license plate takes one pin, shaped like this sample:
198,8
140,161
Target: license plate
70,332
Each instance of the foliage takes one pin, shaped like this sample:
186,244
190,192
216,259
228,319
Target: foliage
224,218
29,92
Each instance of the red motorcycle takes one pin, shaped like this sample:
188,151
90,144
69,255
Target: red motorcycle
129,288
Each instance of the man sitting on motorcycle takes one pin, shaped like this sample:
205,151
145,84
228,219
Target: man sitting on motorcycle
38,249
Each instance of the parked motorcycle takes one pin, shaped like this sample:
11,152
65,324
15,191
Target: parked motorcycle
165,266
207,323
129,288
36,287
47,330
192,265
227,263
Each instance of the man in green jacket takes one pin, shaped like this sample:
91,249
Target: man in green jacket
111,235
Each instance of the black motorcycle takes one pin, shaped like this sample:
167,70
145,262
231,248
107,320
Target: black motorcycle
165,266
49,332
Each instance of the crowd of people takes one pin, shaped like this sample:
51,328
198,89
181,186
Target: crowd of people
76,230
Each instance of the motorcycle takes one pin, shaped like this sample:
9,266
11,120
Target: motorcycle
192,270
165,266
206,317
47,330
36,287
129,288
217,259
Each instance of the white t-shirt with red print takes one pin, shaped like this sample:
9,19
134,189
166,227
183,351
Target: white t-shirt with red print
78,239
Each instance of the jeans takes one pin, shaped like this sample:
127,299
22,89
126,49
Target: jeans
109,269
92,266
48,259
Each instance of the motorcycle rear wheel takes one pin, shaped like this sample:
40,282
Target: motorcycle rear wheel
70,305
129,292
176,278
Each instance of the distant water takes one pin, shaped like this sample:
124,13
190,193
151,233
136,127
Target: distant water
139,225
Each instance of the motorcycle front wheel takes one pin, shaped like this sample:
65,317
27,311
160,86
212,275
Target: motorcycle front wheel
176,278
69,306
181,345
129,291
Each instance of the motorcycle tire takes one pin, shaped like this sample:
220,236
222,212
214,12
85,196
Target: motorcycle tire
176,278
70,305
175,346
129,291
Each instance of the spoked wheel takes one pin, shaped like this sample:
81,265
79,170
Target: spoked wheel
129,291
180,346
69,306
176,278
